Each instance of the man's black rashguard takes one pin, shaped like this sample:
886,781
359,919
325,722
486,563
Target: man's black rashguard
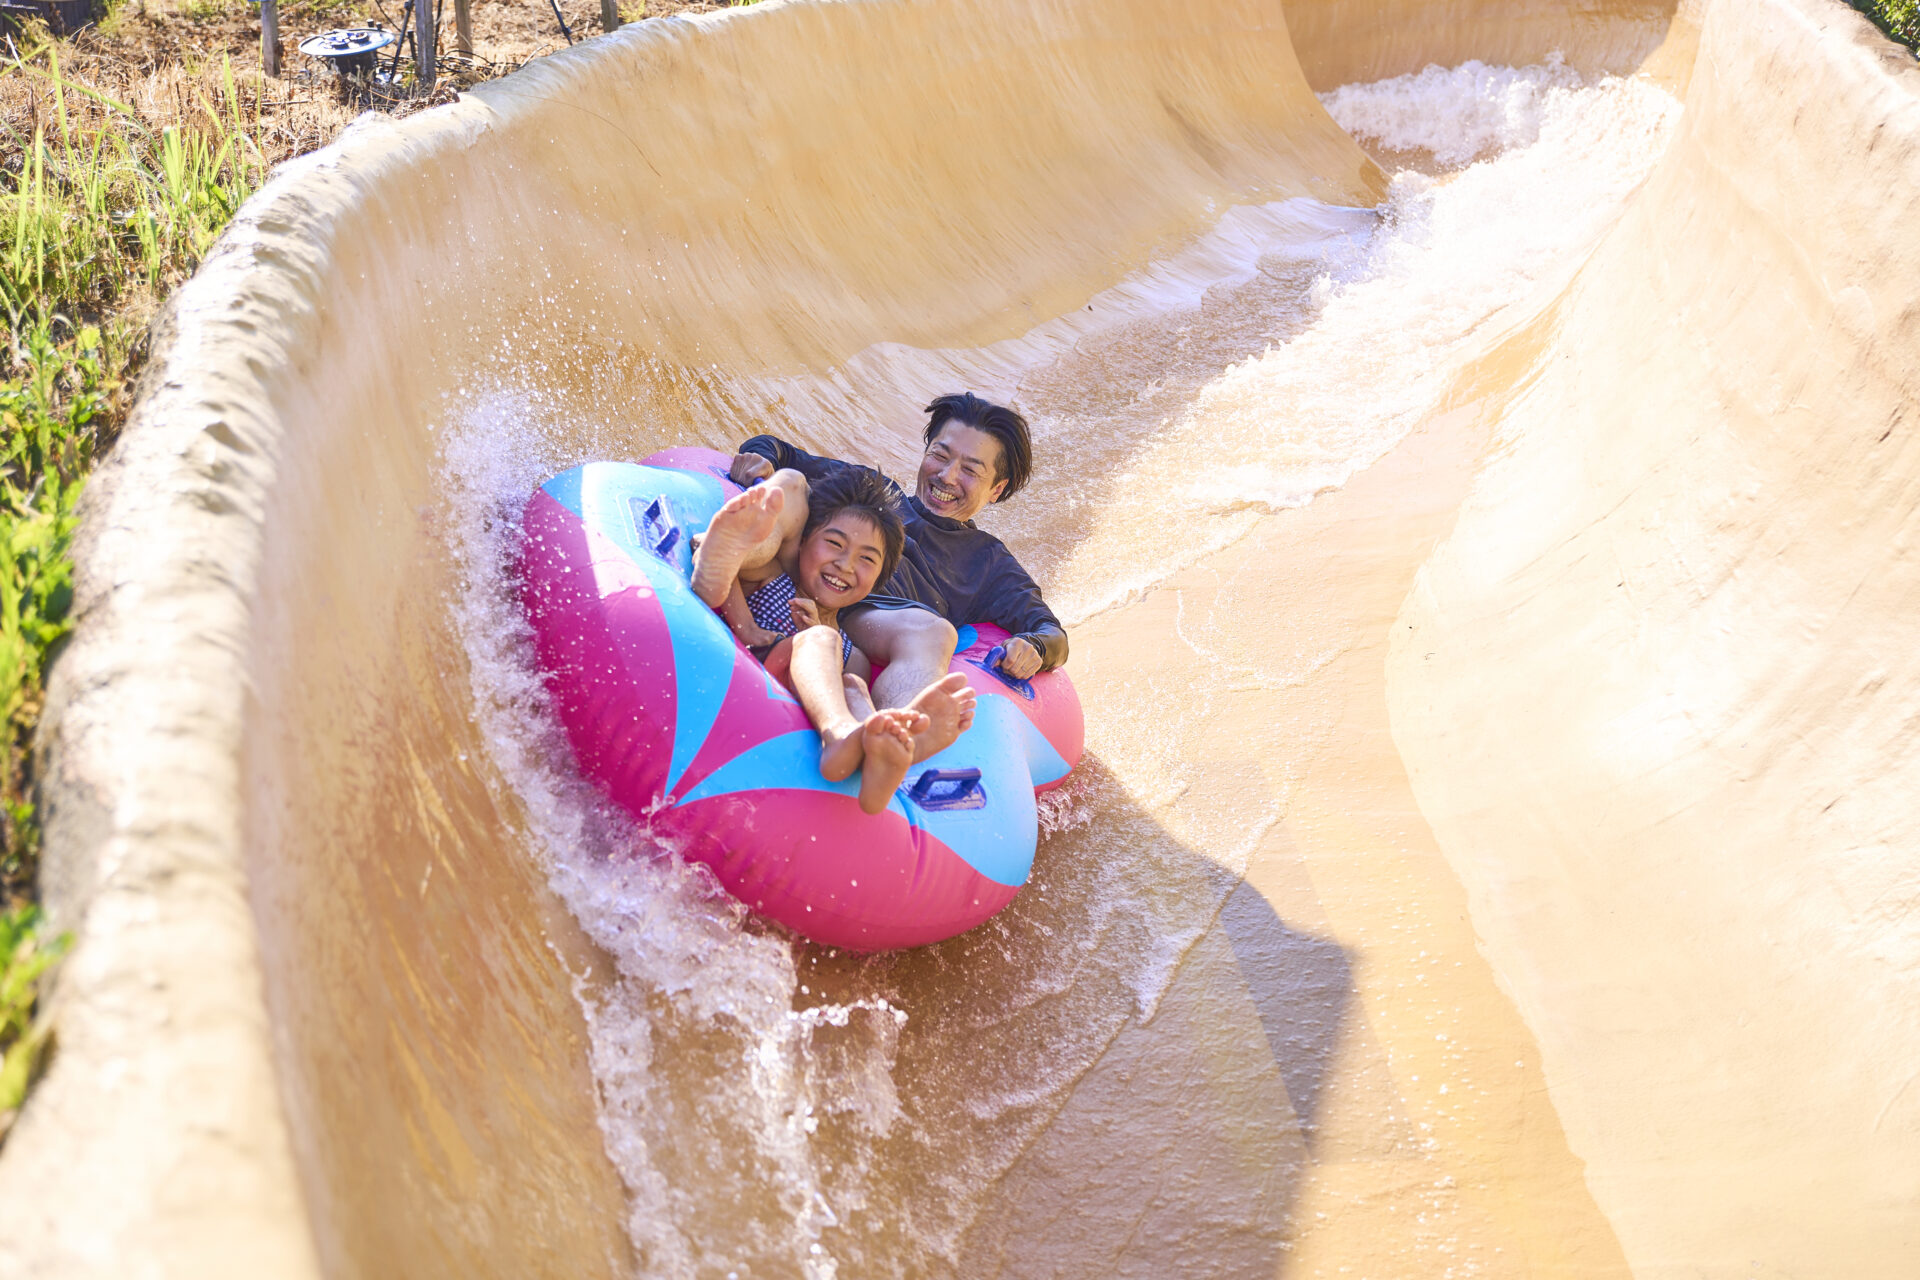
959,571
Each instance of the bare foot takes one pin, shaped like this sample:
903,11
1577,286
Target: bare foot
736,532
860,702
841,750
843,746
888,744
947,704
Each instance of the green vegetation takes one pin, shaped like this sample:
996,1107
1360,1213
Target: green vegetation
25,959
1898,18
100,214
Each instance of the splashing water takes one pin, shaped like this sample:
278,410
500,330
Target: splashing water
688,982
1380,333
1458,114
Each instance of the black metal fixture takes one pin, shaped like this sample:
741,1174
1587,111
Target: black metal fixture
350,50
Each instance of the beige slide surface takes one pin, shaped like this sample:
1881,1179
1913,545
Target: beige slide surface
1494,853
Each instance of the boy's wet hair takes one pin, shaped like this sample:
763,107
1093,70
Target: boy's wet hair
998,421
865,493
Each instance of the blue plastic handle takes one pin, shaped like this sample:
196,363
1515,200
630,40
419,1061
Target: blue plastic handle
991,665
656,528
949,789
726,473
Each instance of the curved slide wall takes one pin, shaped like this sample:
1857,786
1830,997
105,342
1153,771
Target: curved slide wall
1657,693
267,768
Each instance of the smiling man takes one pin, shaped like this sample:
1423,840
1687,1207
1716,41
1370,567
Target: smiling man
951,573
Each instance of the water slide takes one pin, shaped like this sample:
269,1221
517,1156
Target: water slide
1476,461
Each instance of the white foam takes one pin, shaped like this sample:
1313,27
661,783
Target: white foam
1451,254
888,382
1389,327
1459,114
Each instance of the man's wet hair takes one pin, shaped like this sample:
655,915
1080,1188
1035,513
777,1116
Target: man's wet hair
998,421
866,493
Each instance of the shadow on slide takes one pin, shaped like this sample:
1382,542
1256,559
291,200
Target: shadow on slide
1120,1075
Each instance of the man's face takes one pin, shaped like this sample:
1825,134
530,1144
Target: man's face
960,473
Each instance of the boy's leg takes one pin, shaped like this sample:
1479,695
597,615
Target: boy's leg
886,743
747,533
793,514
881,744
814,676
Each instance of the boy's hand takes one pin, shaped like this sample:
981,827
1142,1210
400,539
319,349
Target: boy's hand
755,636
749,467
805,613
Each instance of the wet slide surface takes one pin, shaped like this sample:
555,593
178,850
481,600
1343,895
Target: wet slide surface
1472,465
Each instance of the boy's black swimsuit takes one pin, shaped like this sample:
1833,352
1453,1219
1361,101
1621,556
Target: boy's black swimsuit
950,567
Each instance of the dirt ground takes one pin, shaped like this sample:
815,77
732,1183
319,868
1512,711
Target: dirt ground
150,55
146,35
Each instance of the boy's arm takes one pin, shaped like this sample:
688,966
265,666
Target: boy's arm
740,621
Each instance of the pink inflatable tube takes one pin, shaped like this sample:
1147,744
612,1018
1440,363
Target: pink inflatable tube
688,732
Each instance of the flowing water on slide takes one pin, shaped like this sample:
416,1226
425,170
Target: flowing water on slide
781,1109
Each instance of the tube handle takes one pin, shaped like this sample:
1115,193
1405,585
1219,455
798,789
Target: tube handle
656,527
991,665
938,789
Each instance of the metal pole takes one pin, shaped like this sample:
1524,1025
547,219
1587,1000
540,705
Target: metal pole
423,44
609,15
463,26
270,38
561,18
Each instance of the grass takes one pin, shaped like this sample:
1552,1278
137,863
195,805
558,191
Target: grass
100,211
27,957
102,215
1898,18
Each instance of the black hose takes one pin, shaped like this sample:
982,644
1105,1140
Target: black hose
563,22
406,34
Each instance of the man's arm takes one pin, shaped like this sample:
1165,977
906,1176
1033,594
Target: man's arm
777,453
1014,602
781,454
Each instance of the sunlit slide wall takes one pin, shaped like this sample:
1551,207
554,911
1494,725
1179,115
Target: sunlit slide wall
1657,693
281,1054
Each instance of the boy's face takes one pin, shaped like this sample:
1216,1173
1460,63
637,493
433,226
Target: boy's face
960,473
840,564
